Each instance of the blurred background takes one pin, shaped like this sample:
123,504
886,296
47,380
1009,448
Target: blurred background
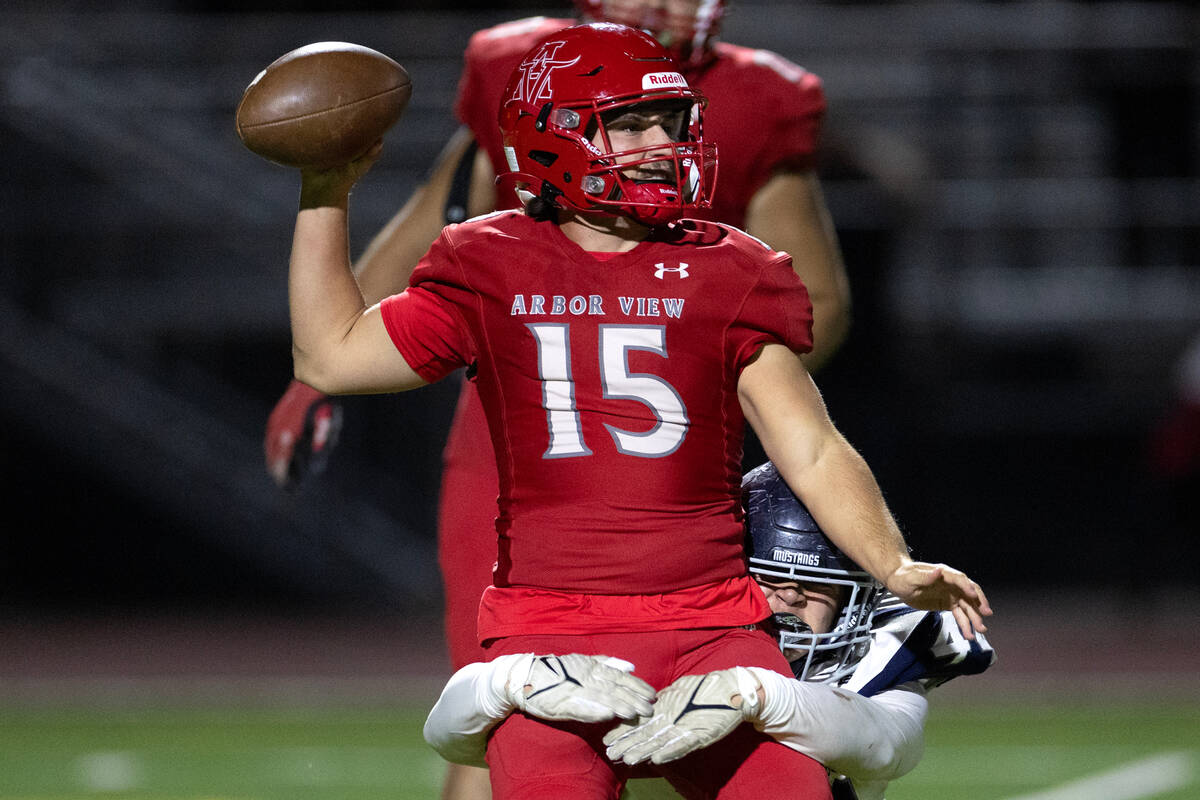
1015,186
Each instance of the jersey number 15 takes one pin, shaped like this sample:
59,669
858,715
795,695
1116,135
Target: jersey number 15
617,383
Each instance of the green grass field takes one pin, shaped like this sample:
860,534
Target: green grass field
984,752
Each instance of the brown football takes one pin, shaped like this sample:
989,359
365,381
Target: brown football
322,105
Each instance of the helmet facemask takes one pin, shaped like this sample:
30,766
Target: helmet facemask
825,657
652,184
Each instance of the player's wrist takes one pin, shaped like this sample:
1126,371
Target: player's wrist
506,686
898,579
319,191
772,687
750,688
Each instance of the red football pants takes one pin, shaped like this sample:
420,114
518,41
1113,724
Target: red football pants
535,759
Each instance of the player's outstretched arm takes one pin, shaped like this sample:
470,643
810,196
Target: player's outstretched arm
575,687
303,427
868,739
473,702
789,214
785,408
876,738
339,346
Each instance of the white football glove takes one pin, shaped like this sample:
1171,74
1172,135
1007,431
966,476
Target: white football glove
577,687
691,713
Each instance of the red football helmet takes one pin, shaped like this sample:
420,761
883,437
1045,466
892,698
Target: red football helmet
686,28
552,110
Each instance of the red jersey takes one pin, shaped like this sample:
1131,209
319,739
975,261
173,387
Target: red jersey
764,112
610,390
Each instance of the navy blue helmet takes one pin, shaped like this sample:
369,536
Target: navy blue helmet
785,543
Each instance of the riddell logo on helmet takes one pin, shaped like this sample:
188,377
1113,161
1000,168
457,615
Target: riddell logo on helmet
663,80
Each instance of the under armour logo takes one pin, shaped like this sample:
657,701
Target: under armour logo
661,268
534,86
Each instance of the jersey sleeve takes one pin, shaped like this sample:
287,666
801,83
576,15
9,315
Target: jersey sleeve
425,321
777,309
924,646
865,738
471,704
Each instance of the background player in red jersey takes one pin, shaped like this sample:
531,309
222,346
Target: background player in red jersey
616,356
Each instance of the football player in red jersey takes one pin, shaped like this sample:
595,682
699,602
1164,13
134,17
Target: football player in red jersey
770,189
617,356
768,139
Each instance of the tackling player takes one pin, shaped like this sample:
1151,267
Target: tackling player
863,668
617,356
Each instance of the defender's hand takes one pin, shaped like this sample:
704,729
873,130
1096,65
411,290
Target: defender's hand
938,587
578,687
691,713
301,431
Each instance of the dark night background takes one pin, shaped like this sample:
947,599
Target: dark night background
1015,187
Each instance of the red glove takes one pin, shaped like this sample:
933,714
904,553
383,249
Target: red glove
301,431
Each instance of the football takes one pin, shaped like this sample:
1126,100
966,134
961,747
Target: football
322,105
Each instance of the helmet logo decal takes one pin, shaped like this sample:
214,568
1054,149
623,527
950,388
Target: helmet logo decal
660,269
795,557
534,85
663,80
